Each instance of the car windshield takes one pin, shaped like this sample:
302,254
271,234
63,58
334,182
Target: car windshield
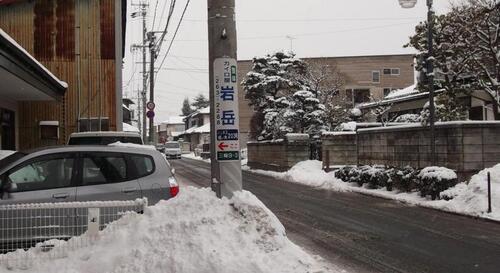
104,140
172,145
10,158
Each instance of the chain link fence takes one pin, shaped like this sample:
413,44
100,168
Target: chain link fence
49,229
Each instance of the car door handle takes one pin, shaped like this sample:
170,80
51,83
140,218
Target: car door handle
60,195
129,190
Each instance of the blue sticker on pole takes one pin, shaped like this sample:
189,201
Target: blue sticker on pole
228,134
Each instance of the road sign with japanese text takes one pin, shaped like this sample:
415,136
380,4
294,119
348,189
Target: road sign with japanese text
226,110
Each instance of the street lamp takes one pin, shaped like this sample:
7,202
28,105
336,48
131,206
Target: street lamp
430,68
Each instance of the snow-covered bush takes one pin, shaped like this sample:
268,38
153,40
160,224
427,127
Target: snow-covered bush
405,179
429,181
433,180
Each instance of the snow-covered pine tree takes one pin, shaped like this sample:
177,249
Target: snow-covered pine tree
277,90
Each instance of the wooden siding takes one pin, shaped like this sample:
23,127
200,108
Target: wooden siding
71,34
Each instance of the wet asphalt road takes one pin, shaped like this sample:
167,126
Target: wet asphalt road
368,234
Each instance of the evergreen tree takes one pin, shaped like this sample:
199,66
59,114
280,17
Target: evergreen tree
200,101
186,108
282,98
466,52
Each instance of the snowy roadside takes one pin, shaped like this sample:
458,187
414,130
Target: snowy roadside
194,232
468,198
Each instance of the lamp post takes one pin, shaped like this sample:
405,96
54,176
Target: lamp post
430,69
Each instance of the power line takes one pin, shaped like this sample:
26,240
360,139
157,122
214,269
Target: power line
175,34
154,16
304,34
314,20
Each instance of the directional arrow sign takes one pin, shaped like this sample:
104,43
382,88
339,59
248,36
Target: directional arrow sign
222,146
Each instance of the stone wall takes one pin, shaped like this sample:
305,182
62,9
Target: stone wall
340,147
277,156
466,147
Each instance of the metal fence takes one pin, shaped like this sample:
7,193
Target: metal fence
48,228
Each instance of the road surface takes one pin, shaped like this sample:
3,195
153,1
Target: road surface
368,234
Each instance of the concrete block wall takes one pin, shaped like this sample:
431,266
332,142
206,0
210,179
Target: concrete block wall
277,156
341,148
466,147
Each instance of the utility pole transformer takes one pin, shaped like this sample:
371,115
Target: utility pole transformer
224,113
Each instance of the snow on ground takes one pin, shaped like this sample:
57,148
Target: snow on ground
194,232
468,198
193,156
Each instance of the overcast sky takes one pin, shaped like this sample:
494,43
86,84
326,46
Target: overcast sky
319,28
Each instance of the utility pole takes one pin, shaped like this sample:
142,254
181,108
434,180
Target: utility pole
224,113
143,13
152,53
430,74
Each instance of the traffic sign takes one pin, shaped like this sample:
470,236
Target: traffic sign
150,114
150,105
226,110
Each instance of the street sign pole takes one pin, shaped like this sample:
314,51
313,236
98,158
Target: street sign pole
224,113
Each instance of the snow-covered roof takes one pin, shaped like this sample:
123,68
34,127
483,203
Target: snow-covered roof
174,120
410,96
412,89
9,39
197,130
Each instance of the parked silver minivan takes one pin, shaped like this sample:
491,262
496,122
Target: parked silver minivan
79,173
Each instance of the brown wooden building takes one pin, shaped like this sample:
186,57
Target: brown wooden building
81,43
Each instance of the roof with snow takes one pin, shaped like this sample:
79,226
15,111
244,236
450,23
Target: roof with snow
20,71
174,120
197,130
412,89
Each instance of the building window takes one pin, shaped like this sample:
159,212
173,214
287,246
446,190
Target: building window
93,124
361,95
391,71
49,129
376,76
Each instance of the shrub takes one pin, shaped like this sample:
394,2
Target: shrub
343,173
434,180
405,179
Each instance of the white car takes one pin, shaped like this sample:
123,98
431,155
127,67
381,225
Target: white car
104,138
173,149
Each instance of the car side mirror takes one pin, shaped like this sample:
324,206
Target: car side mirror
173,171
7,186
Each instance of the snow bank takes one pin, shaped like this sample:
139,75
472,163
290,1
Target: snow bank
472,197
194,232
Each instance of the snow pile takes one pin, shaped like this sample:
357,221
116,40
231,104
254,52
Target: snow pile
438,173
194,232
347,126
132,145
472,197
308,173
